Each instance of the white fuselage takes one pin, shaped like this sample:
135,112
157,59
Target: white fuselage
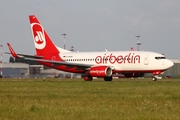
125,61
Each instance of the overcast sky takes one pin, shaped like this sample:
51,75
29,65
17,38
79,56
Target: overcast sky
94,25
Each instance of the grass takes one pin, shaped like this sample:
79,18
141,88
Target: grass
69,99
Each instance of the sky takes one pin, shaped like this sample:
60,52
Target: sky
93,25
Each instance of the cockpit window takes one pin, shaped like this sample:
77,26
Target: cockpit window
158,58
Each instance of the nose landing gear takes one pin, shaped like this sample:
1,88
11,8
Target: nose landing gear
155,75
154,78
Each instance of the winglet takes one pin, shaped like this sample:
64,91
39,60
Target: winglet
13,53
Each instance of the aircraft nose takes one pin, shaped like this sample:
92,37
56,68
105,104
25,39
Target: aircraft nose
169,63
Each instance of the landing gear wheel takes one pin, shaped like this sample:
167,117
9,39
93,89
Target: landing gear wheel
154,79
108,78
87,78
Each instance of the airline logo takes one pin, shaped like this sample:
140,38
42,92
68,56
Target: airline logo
98,72
129,58
39,36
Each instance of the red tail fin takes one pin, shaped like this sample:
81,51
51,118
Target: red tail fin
42,42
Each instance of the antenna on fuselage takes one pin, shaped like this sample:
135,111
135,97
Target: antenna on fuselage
132,49
72,48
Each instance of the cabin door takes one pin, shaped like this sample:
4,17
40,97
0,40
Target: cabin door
146,60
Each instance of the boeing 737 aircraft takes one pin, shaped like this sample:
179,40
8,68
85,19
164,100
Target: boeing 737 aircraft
93,64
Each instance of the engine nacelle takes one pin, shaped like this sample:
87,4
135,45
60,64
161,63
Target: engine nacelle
100,71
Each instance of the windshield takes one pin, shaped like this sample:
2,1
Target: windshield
158,58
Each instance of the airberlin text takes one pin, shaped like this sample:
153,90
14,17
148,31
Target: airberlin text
130,58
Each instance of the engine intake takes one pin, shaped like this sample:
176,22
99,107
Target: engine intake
100,71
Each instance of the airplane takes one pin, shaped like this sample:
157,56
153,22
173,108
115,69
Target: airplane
92,64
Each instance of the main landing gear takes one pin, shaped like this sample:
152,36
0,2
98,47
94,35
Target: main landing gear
108,78
89,78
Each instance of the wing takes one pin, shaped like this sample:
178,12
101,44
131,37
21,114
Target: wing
53,62
59,63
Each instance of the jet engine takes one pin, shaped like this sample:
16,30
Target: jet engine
100,71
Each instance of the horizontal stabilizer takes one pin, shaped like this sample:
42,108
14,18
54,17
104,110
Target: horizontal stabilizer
27,56
14,54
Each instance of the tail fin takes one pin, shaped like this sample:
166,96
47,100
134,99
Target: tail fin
43,43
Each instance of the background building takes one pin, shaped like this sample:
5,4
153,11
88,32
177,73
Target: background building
22,70
174,71
15,69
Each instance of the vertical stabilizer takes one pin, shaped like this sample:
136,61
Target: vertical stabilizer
43,44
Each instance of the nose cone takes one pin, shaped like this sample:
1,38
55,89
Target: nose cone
169,63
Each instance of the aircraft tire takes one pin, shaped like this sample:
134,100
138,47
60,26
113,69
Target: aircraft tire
108,78
154,79
87,78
